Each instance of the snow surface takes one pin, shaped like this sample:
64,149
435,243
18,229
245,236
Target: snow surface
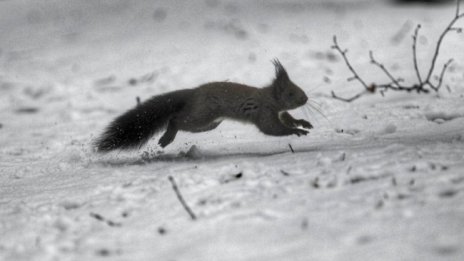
378,179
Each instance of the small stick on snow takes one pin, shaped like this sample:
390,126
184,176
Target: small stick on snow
291,148
97,216
181,199
107,221
138,100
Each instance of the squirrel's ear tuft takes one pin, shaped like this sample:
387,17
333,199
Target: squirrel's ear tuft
281,80
280,73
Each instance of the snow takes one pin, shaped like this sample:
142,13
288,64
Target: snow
381,178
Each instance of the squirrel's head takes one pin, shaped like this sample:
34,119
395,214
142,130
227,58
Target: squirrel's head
287,94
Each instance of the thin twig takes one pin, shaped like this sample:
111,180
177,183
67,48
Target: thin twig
355,75
457,7
181,199
107,221
414,53
343,53
382,67
291,148
396,83
355,97
440,40
440,78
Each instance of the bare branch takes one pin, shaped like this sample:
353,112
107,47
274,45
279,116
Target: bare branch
457,29
181,199
414,53
357,96
382,67
440,40
442,74
343,53
458,2
422,86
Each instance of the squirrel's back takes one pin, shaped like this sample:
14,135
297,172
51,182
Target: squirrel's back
224,99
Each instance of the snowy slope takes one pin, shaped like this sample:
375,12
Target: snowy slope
378,179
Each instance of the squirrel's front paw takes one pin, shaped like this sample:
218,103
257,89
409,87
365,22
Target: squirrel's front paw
305,124
299,132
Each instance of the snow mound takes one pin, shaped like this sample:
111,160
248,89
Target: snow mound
442,116
389,129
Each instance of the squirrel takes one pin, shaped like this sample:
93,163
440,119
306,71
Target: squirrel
204,108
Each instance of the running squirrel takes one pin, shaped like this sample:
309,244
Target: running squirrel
204,108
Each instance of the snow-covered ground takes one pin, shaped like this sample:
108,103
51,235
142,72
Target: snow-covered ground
377,179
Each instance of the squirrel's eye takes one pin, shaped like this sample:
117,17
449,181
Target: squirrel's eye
290,94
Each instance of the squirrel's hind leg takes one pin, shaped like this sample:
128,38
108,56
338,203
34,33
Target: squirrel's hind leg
169,135
207,127
197,122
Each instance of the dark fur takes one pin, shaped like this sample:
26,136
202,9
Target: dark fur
135,127
203,108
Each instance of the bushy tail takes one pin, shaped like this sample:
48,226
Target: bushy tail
135,127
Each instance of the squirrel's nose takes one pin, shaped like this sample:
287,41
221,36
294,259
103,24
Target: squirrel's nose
305,99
